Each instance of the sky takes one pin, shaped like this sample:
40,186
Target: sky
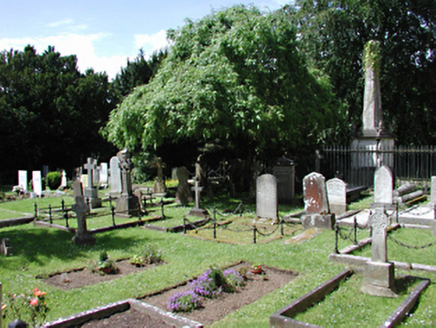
103,34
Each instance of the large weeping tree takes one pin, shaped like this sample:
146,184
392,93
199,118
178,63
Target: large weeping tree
235,78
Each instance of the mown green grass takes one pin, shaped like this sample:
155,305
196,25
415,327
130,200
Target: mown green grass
41,251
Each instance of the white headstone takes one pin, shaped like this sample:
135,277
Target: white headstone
84,180
37,182
337,195
64,179
115,177
266,197
22,179
104,173
383,185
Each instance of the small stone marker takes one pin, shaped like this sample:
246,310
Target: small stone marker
6,247
77,188
266,197
337,195
22,179
37,182
383,186
183,194
379,275
91,192
127,203
115,176
82,237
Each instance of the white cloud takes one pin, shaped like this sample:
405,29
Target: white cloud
151,43
73,44
59,23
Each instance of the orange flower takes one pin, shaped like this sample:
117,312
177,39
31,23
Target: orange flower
37,292
34,302
4,306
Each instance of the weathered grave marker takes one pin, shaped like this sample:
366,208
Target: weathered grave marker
197,211
337,195
91,192
316,205
159,184
82,237
127,203
383,186
183,194
115,176
103,174
284,171
433,191
379,275
266,197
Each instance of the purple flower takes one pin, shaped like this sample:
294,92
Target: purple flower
184,302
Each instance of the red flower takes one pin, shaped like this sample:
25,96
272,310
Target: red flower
34,302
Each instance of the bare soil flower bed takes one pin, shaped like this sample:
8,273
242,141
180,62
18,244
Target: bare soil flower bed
84,276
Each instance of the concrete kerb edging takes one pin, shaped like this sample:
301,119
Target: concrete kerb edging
16,221
284,317
110,309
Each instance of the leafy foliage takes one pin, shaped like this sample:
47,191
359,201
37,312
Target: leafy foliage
235,78
333,35
53,180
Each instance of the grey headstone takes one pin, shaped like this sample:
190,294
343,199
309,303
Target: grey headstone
266,197
45,170
37,182
82,237
379,221
383,185
127,203
115,176
284,171
22,179
337,195
77,188
315,195
103,173
183,194
159,184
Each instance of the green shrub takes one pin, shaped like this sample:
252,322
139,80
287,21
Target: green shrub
53,180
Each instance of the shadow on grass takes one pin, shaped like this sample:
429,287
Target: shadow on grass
33,244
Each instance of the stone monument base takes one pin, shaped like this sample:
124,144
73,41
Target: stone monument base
127,206
198,212
83,239
92,196
326,221
379,279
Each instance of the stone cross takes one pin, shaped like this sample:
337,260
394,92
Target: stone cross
379,221
82,237
90,167
197,189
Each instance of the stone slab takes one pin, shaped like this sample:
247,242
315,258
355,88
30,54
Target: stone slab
318,221
379,279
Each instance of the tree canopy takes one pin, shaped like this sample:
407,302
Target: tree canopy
333,35
50,112
233,78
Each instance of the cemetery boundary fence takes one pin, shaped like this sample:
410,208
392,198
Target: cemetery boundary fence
416,164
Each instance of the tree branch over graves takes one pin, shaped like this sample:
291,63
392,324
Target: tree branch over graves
234,77
333,37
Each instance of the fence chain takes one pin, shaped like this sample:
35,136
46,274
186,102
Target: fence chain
344,236
396,241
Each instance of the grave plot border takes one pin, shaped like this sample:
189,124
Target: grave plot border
284,318
121,306
16,221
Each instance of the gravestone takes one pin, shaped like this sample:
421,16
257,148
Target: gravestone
183,194
64,179
37,183
337,195
383,186
77,188
115,176
103,174
433,191
96,173
91,192
197,211
266,197
45,170
22,180
84,180
379,274
284,171
82,237
159,184
127,203
6,247
316,205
